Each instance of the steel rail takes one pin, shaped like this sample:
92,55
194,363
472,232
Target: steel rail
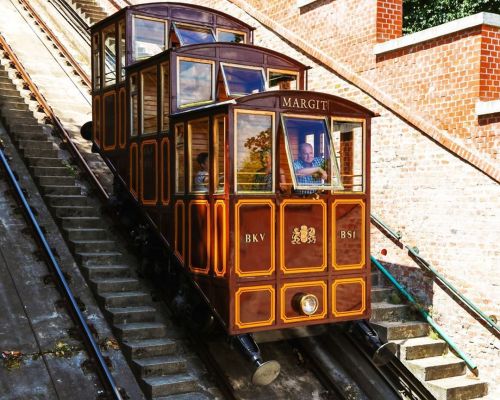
470,364
79,70
50,113
92,347
421,261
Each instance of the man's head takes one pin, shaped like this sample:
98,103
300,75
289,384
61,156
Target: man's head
306,152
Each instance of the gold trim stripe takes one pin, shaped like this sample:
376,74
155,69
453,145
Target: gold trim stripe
237,305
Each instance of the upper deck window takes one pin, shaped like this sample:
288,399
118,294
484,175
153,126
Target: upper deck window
241,81
310,156
226,35
149,37
282,80
109,42
189,34
195,82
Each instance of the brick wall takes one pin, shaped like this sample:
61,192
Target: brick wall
389,22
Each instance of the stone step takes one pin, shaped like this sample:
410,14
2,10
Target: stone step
61,191
458,388
35,161
26,128
124,299
140,330
56,180
400,330
186,396
421,347
68,211
36,144
47,153
28,120
107,271
25,114
50,171
384,311
150,347
115,284
30,136
86,234
380,294
161,365
431,368
78,222
92,246
127,315
103,258
58,200
169,385
14,104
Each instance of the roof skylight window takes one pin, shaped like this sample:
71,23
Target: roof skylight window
241,81
189,34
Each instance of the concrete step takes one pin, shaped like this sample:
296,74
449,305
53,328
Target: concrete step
47,153
400,330
102,258
79,222
92,246
50,171
458,388
384,311
161,365
124,299
150,347
115,284
107,271
58,200
140,330
169,385
380,294
421,347
127,315
56,180
86,234
186,396
68,211
25,128
14,104
36,144
15,121
36,161
11,114
63,191
431,368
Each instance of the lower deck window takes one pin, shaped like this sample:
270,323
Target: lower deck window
199,162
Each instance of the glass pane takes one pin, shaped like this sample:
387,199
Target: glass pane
195,83
199,171
193,35
149,101
134,106
242,81
231,37
220,153
96,58
348,143
121,30
109,56
254,153
165,95
309,152
179,158
282,81
149,38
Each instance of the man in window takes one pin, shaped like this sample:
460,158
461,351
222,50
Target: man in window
309,169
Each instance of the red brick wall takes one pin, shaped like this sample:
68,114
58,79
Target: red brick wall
490,64
389,19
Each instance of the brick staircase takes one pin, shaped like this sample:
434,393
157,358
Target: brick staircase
147,339
427,358
89,9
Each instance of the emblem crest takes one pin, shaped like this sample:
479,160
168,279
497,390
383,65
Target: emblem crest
304,234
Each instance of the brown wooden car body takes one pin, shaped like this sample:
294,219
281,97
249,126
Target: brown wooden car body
251,237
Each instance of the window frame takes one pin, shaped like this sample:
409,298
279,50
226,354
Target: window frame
133,41
217,30
215,163
284,71
213,82
334,119
176,186
103,32
141,104
96,62
175,24
237,111
333,160
190,156
164,67
121,58
137,93
224,64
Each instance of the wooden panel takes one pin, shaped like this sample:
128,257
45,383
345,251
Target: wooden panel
96,121
134,170
109,121
179,224
122,119
288,291
149,168
220,238
254,306
199,236
349,297
165,171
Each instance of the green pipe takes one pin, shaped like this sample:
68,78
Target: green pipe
427,317
395,235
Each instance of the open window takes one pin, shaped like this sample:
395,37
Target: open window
121,50
134,105
282,80
149,37
109,44
191,34
165,96
179,158
230,36
254,152
199,158
96,62
348,137
149,85
241,80
195,83
219,153
313,164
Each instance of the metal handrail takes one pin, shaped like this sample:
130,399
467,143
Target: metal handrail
50,113
428,318
421,261
81,25
92,346
83,75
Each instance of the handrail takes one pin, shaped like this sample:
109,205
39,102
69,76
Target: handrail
75,17
428,318
92,347
50,113
83,75
421,261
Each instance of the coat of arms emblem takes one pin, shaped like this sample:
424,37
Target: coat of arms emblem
304,234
